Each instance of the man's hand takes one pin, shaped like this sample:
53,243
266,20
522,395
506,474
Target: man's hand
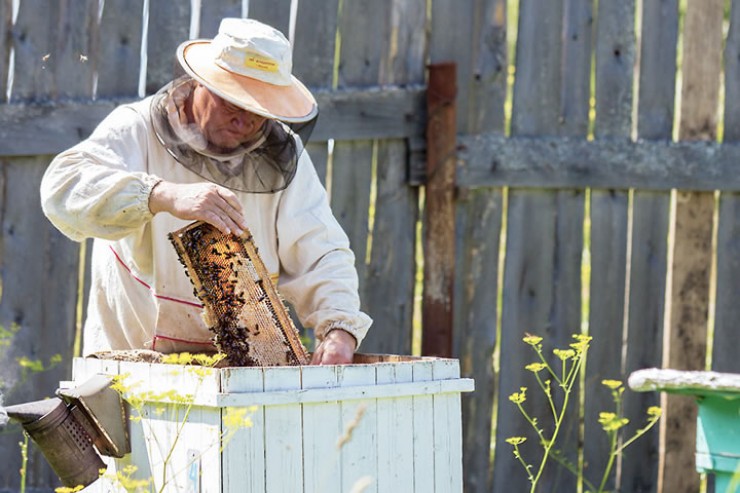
199,202
337,348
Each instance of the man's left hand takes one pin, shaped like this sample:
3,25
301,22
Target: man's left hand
337,348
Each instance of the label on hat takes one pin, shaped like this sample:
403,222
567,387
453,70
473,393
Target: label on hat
260,63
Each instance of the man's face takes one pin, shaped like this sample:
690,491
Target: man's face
223,124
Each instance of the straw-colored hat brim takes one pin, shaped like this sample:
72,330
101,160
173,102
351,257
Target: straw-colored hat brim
293,103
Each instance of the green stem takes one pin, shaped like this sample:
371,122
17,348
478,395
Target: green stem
610,463
24,461
548,394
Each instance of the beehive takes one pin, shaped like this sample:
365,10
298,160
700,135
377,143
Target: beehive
241,304
385,423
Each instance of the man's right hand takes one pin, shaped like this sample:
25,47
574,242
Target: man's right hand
207,202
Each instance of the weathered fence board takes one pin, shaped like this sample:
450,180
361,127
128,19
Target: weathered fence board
615,52
649,229
38,268
211,13
168,26
691,246
360,64
545,270
6,11
478,229
559,162
273,12
313,61
479,216
724,349
118,57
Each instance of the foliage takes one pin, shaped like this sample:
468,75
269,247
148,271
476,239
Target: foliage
571,361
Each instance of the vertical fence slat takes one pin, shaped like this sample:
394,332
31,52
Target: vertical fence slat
211,13
479,227
528,292
6,19
478,220
359,65
33,43
118,58
169,25
724,353
391,273
389,291
691,255
313,60
544,239
38,265
650,212
273,12
74,35
615,52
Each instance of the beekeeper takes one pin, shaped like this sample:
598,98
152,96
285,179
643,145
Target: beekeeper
223,144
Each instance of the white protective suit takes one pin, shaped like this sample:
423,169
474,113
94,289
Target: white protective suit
140,296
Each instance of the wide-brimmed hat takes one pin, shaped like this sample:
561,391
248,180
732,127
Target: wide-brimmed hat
249,64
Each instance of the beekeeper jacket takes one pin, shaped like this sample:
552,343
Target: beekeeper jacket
140,296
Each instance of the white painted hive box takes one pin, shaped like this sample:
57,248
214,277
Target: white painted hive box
386,423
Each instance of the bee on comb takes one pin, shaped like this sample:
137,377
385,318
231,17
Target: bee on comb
241,305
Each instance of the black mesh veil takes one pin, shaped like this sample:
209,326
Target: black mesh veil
265,164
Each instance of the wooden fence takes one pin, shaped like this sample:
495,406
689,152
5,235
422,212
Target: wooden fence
591,194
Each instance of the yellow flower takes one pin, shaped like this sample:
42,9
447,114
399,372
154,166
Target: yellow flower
654,411
611,422
532,340
516,440
564,354
519,397
612,384
535,367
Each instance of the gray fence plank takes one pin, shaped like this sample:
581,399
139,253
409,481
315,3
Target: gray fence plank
345,115
211,13
360,64
6,24
391,273
558,162
76,30
649,232
451,41
33,42
169,25
273,12
482,74
528,296
724,353
727,311
315,42
390,277
118,58
38,267
614,56
546,64
478,230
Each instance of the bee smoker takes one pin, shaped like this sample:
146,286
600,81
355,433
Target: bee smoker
69,428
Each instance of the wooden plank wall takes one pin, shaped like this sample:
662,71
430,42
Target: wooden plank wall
74,52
